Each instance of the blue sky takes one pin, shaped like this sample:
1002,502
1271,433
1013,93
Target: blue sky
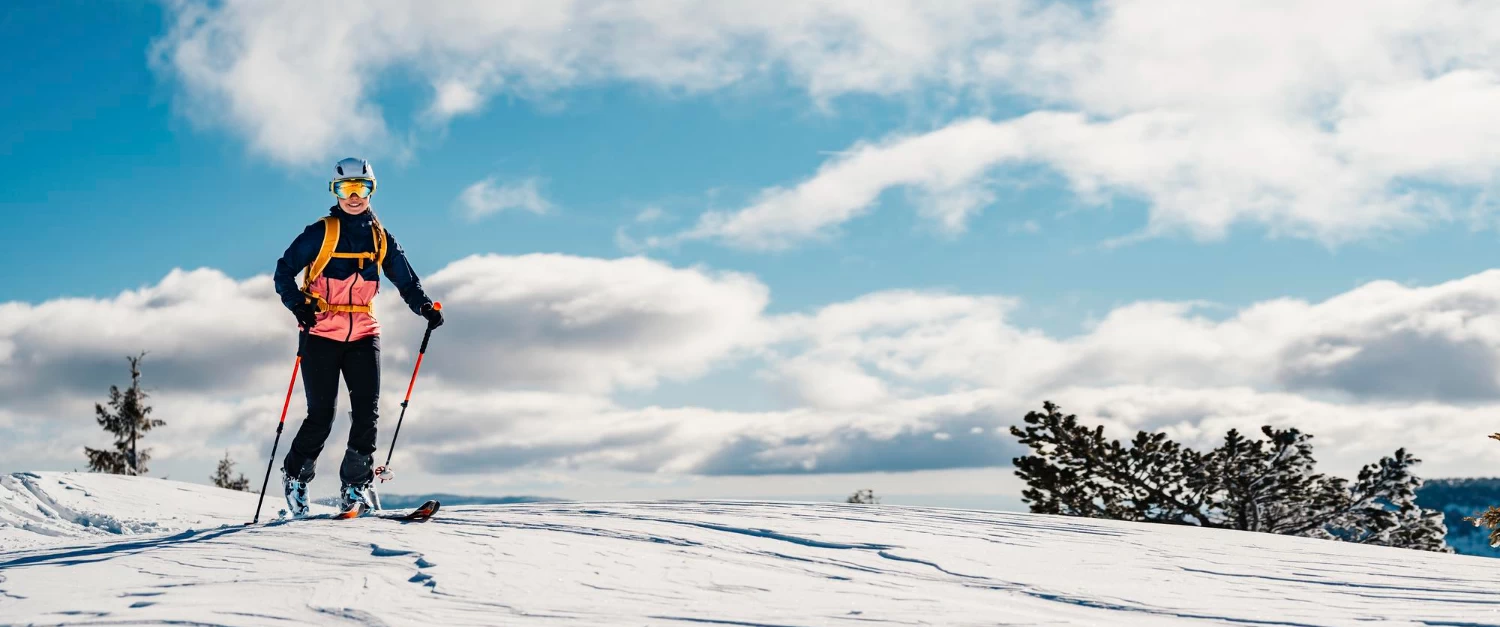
112,151
123,158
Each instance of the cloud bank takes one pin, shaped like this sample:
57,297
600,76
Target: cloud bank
540,350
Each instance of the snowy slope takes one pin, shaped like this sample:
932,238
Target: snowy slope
718,562
46,508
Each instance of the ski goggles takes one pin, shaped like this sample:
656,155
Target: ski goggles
352,187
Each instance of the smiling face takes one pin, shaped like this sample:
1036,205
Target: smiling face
354,205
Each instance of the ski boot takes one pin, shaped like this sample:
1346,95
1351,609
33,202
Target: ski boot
296,496
355,500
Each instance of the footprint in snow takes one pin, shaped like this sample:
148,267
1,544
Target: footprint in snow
422,578
379,551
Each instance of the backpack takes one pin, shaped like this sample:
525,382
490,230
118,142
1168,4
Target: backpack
326,253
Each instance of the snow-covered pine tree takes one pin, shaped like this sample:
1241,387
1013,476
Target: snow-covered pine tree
128,422
865,496
1252,485
1381,509
1076,472
223,476
1255,485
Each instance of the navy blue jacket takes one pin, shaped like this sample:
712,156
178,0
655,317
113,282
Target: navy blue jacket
355,236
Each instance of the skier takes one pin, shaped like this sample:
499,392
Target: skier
341,257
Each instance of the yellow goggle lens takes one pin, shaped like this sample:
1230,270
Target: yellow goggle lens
353,187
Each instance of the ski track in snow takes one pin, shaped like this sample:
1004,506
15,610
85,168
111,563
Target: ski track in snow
89,553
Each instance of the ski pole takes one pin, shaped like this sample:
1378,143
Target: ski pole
301,341
384,471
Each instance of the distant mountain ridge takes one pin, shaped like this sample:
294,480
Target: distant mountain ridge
1459,497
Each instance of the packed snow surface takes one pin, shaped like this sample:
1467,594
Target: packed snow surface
81,549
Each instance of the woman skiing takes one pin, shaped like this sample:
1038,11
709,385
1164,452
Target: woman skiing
341,257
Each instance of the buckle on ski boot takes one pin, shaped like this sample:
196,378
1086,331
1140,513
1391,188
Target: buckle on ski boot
356,500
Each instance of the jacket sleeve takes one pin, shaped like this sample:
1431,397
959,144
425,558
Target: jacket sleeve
297,256
400,273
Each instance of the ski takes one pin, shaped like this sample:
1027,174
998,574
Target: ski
420,514
353,512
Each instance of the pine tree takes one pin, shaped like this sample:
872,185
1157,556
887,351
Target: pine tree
128,422
865,496
1261,485
223,476
1251,485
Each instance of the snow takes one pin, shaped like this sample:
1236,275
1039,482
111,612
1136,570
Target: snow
44,508
94,549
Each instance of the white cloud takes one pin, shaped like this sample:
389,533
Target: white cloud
528,372
880,377
454,98
583,327
1430,129
295,85
76,344
1379,367
944,165
294,78
501,431
1316,120
1326,121
539,321
1284,60
915,339
1379,342
592,325
835,385
487,197
1201,175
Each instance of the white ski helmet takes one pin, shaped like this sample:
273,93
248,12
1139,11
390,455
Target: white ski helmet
352,168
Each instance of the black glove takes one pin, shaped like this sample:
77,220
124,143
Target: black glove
307,315
433,315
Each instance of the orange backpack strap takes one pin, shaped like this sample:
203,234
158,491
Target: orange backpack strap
330,243
379,246
325,253
329,251
378,235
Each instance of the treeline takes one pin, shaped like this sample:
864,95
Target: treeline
1267,484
